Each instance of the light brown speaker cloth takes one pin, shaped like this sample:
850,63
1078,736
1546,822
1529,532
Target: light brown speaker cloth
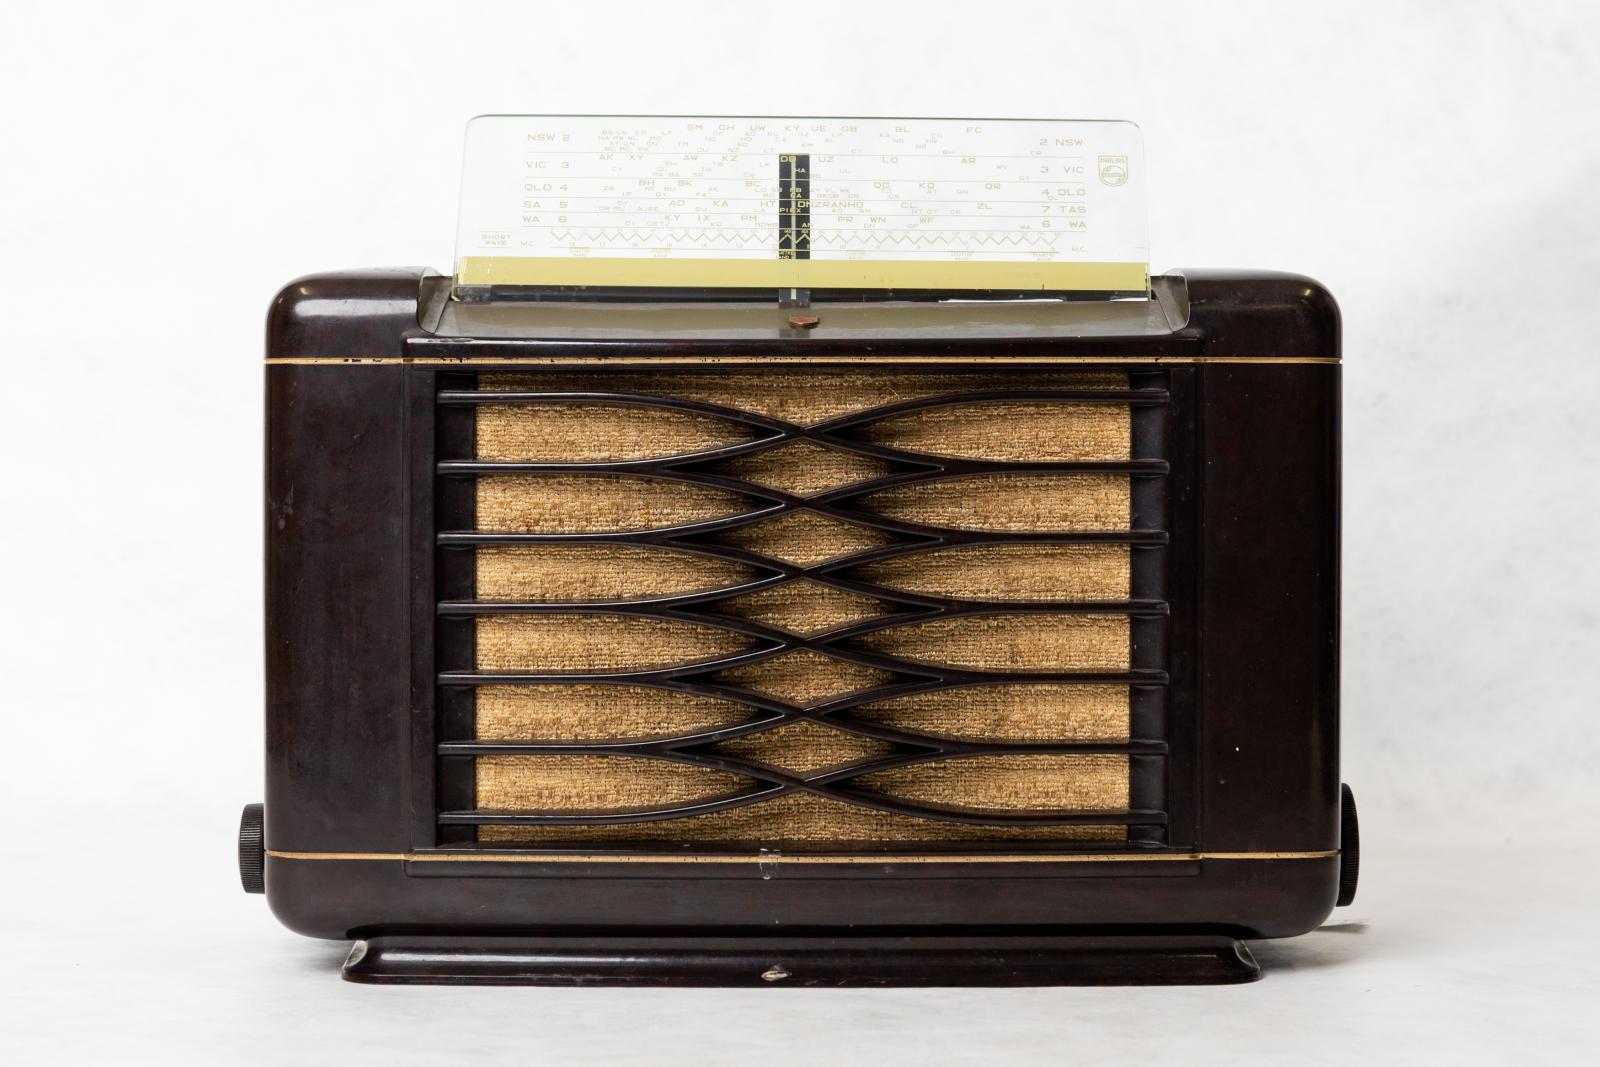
804,607
1011,783
616,784
573,574
805,538
1007,572
803,820
1018,713
576,503
1033,431
801,397
804,678
1014,503
804,469
592,433
1010,642
803,747
1095,783
1036,712
597,713
1021,430
550,643
570,574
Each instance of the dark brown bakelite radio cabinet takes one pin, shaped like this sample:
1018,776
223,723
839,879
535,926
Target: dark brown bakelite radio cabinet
688,638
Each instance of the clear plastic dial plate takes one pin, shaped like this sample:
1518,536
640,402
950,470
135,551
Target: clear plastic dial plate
803,203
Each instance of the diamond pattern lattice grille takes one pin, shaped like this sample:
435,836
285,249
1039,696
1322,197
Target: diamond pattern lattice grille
807,607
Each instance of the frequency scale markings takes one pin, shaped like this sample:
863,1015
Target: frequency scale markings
832,203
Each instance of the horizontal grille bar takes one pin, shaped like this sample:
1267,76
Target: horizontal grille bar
983,818
472,538
661,607
947,675
1129,397
1149,468
646,748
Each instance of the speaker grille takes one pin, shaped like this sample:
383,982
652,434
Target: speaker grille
804,607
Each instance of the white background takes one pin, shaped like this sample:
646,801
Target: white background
165,168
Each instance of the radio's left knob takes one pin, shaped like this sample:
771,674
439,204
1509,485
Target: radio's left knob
252,852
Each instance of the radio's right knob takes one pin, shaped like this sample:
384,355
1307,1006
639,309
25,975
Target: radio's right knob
1349,847
252,850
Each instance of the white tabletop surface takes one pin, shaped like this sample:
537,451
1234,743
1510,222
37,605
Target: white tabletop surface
1459,955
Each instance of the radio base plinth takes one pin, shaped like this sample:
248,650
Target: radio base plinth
918,960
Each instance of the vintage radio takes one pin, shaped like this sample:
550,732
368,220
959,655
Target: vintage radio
695,588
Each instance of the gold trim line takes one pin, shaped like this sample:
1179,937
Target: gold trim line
775,857
808,360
